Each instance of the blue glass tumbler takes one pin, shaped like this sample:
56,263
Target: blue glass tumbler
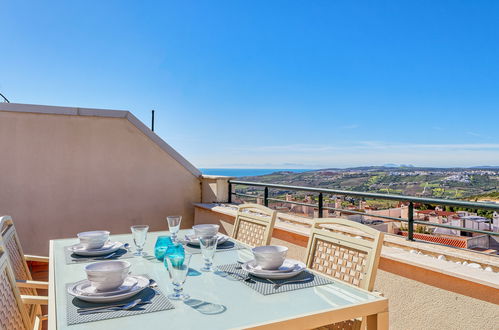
175,251
162,244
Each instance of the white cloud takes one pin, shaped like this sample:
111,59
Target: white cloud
368,145
474,134
352,126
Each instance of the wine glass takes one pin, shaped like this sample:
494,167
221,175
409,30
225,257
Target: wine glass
208,247
139,237
174,225
178,267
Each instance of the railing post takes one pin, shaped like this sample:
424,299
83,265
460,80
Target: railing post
321,205
266,197
229,198
410,223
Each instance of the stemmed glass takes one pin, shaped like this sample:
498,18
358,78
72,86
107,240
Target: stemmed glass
178,267
139,237
174,225
208,248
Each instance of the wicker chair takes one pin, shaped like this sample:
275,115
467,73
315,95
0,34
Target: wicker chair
254,224
13,312
350,255
10,243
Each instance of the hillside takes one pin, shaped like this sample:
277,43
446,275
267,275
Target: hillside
428,182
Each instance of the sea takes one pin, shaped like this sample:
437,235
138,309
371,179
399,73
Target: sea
240,172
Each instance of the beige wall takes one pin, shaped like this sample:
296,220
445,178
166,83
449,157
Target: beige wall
418,299
61,174
215,189
414,305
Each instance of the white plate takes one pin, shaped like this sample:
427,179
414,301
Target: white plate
193,240
112,296
287,266
287,270
85,288
109,247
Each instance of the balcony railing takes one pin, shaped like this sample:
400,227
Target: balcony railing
377,196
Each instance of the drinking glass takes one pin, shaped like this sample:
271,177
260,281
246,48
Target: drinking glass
139,237
174,225
208,248
176,250
162,244
178,267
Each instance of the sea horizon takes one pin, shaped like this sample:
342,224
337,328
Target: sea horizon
241,172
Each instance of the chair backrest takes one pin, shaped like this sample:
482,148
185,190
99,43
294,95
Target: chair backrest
254,224
12,310
12,246
345,250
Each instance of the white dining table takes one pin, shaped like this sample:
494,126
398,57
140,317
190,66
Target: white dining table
245,308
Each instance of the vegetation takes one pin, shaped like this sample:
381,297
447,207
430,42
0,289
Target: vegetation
420,229
494,195
451,183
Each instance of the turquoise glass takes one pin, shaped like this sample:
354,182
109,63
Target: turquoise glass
176,253
162,244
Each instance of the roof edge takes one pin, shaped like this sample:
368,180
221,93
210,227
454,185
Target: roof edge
74,111
163,145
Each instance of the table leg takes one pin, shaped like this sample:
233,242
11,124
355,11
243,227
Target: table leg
377,321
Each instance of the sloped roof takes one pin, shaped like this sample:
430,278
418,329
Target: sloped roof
72,111
439,213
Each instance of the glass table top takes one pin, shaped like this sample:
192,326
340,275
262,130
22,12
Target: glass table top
245,306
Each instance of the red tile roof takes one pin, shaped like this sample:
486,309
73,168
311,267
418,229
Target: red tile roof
451,241
439,213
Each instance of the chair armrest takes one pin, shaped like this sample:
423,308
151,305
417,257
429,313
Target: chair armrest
32,284
29,257
35,300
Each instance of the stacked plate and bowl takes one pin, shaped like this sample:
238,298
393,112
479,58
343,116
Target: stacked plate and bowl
271,262
205,230
95,243
106,281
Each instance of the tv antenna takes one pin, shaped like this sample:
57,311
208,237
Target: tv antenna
5,100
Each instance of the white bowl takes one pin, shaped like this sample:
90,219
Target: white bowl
270,256
107,275
93,239
205,230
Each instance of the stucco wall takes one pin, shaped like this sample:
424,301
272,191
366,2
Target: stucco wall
61,174
414,305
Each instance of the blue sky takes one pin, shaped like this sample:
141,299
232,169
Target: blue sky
272,84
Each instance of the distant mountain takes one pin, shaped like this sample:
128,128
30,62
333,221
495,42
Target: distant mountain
486,167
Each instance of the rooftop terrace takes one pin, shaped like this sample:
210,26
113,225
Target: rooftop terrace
68,170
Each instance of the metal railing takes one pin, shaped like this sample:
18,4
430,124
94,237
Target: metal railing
400,198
